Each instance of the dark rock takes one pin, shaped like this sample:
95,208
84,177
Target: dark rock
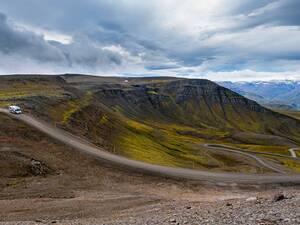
172,220
278,197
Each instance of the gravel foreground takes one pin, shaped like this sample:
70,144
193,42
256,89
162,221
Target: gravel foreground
270,209
67,187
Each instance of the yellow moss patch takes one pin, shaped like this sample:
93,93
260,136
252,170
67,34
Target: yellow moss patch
138,126
152,93
103,120
76,105
268,149
289,163
143,149
29,89
295,114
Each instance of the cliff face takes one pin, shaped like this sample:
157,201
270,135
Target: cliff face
192,102
199,103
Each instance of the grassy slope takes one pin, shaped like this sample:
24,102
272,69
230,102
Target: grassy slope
294,114
149,125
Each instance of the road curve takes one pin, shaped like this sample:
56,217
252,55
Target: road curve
293,152
178,173
257,159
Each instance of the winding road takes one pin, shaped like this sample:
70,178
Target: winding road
221,178
292,151
260,161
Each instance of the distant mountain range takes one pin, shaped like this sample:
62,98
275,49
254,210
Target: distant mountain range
283,94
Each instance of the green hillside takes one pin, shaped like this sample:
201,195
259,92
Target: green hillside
163,121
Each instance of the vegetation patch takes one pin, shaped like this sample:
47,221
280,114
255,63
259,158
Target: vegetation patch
152,92
76,105
288,163
103,120
29,89
162,144
283,150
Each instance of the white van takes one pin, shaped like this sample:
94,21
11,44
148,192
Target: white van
14,109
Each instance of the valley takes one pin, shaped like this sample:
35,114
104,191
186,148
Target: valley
86,147
91,150
277,94
161,112
163,121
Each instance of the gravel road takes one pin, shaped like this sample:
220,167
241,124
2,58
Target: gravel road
260,161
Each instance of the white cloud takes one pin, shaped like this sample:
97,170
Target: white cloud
52,35
48,35
256,39
250,75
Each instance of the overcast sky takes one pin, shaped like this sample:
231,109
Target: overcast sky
215,39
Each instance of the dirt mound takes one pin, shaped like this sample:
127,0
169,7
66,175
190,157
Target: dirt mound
15,164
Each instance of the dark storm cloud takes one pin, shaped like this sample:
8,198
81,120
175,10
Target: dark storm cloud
162,67
284,12
275,12
18,43
27,44
159,36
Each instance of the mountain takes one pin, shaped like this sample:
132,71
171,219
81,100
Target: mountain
161,120
278,94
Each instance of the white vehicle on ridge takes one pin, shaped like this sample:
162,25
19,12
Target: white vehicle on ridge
15,109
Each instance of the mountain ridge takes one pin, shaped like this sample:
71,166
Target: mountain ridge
283,93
